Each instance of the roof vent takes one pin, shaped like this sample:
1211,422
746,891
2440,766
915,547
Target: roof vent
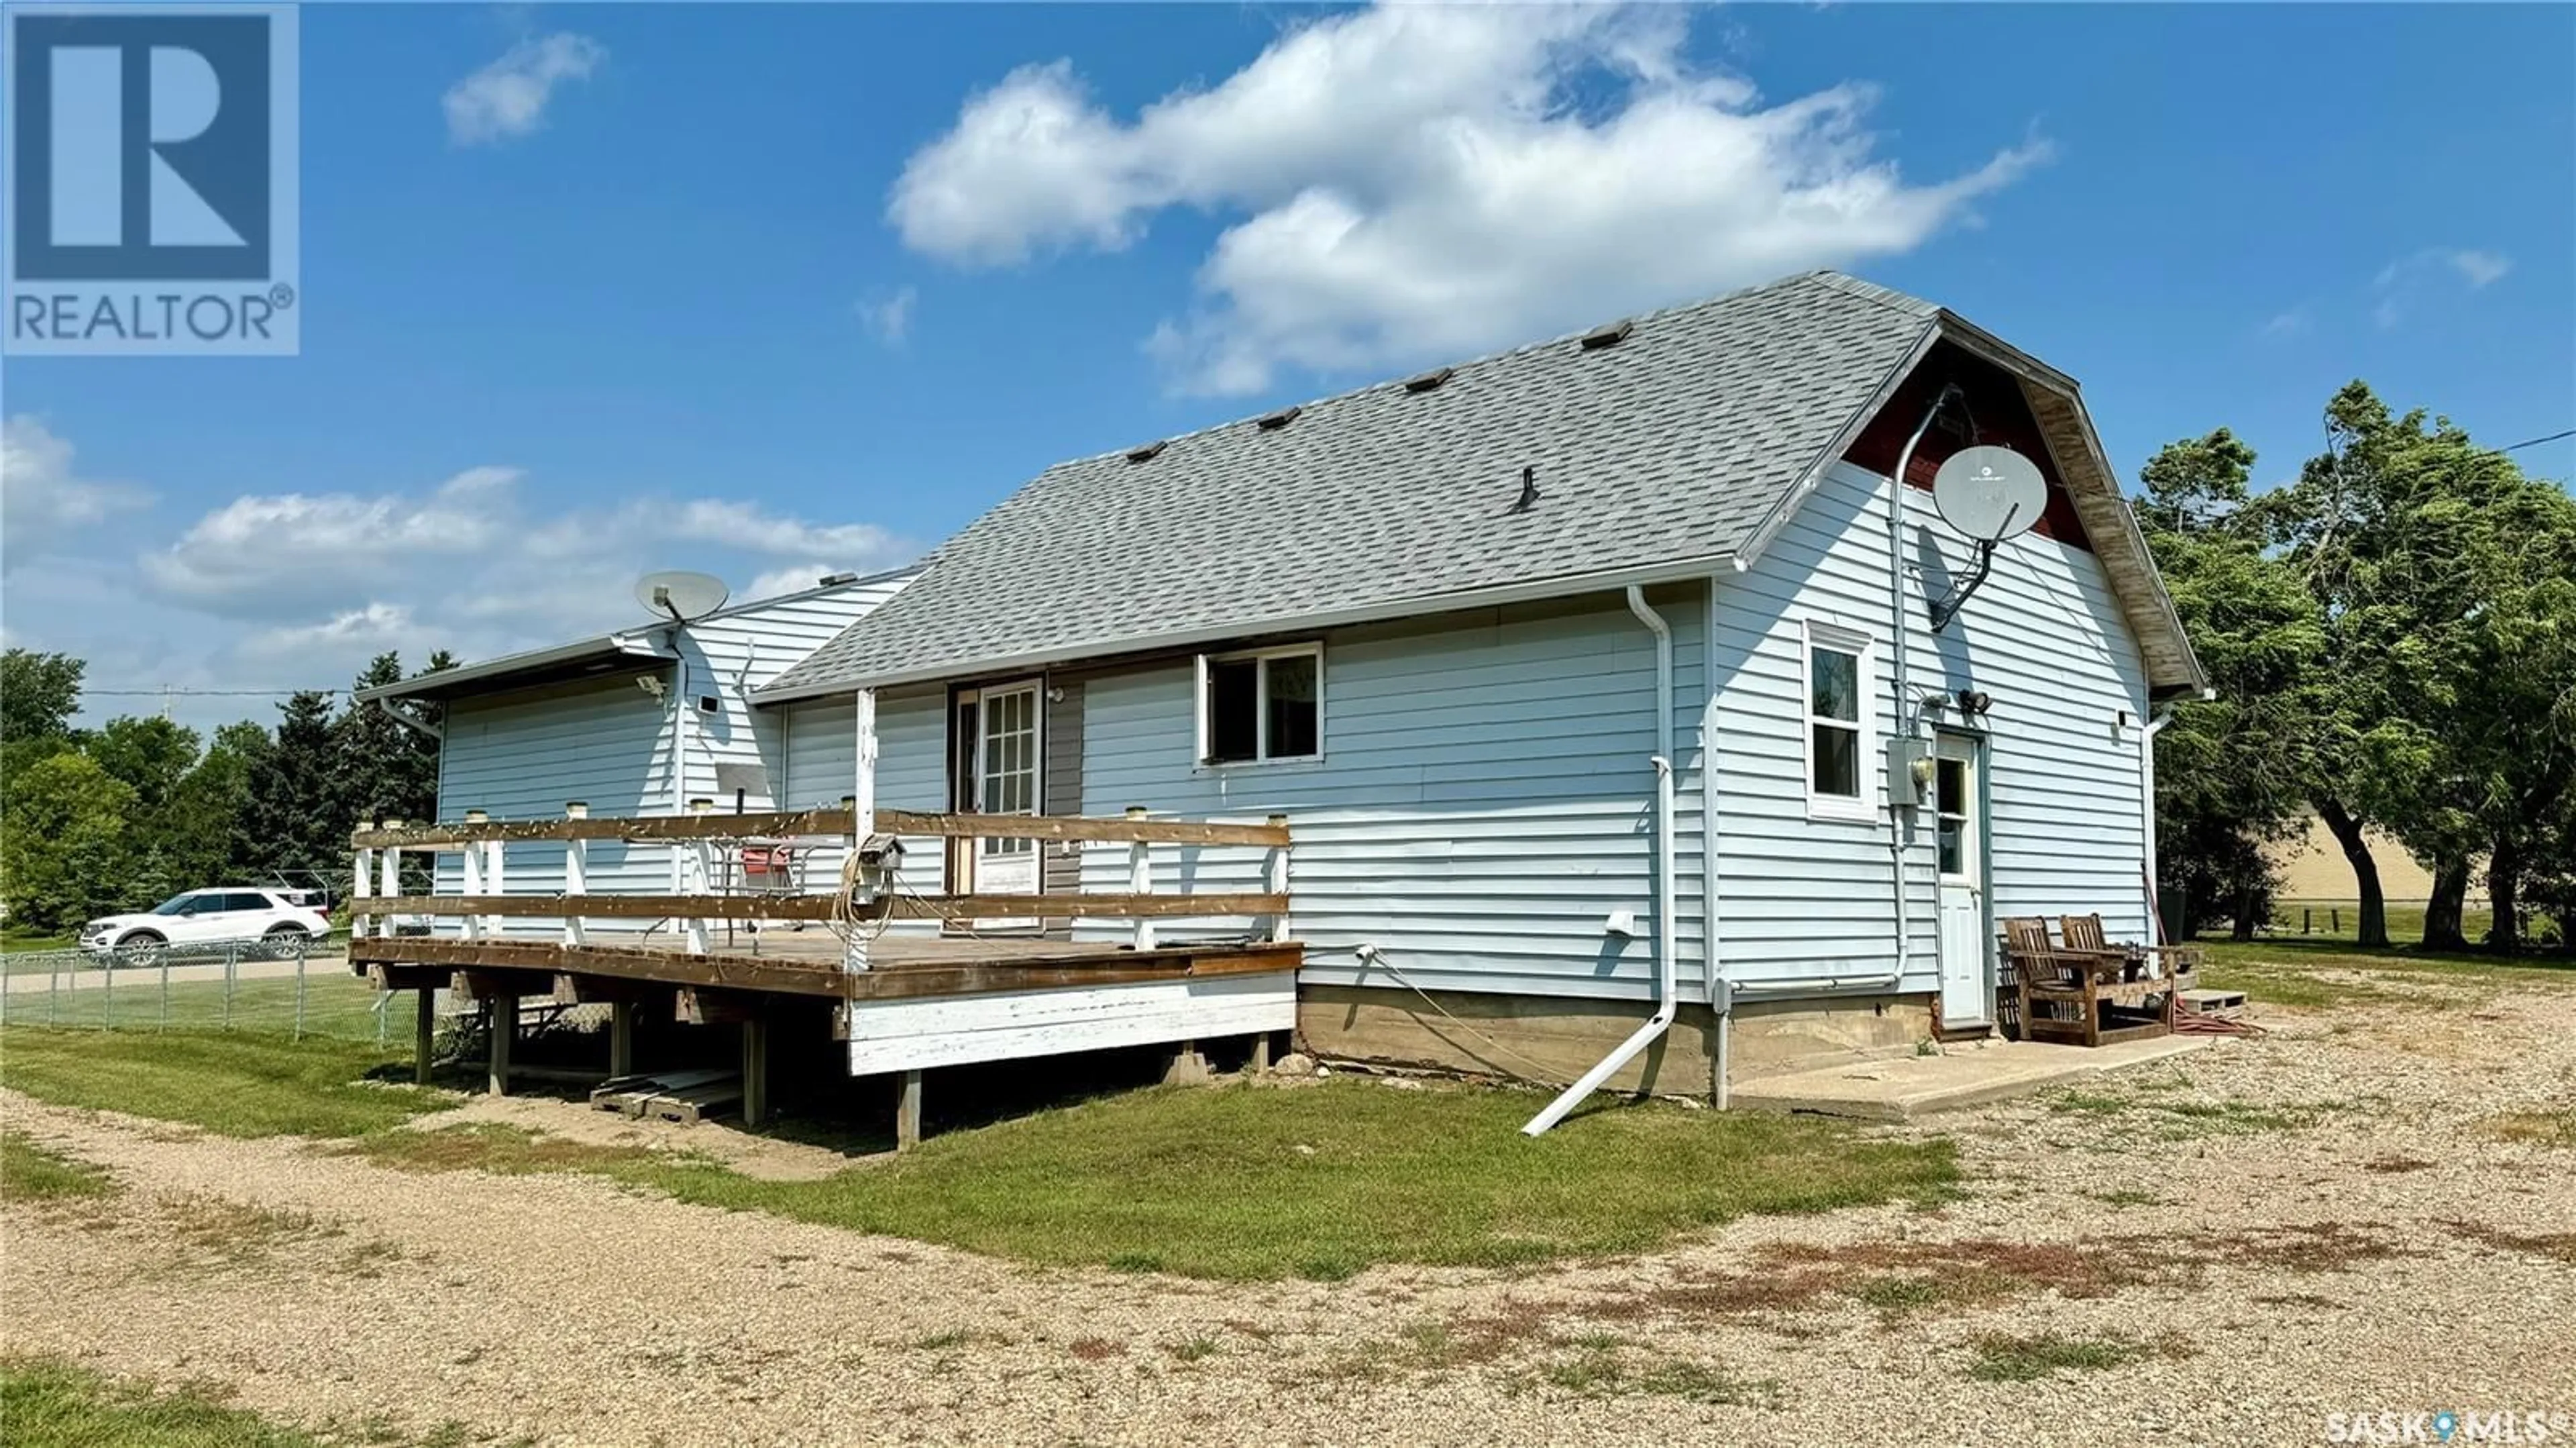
835,580
1607,336
1429,381
1147,453
1277,420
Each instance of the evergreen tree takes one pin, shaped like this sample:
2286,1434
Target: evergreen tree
289,823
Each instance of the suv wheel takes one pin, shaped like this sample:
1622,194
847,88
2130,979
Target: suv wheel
141,948
286,942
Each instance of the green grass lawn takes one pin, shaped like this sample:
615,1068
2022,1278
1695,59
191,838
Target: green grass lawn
1233,1181
13,941
1319,1181
336,1003
2285,971
30,1172
239,1084
47,1403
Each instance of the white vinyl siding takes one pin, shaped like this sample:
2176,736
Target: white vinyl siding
1483,803
522,754
1803,896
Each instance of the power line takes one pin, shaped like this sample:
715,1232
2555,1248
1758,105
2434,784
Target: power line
2537,441
203,693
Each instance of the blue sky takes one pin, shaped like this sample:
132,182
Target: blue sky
594,289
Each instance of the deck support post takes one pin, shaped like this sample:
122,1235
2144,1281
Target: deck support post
907,1113
1188,1067
424,1032
755,1070
505,1028
621,1038
1261,1052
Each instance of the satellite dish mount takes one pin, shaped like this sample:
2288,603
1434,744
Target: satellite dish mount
680,596
1990,494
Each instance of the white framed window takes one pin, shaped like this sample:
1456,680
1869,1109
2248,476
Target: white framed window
1838,722
1261,705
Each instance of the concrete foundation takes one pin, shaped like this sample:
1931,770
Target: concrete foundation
1558,1039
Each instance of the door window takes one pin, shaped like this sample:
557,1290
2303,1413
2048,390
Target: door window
1951,807
1010,761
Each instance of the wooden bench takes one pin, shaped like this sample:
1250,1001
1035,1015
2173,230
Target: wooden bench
2068,991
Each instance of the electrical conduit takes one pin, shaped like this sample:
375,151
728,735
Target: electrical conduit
1904,700
1668,911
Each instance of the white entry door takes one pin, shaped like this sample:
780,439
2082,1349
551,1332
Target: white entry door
1960,845
1006,782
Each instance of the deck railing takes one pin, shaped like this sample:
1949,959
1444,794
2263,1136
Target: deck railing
858,897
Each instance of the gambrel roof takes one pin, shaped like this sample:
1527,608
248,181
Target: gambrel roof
1664,447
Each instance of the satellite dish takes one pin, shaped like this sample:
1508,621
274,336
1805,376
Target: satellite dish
681,596
1990,493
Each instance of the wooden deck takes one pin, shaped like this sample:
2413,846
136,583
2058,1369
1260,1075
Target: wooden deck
808,963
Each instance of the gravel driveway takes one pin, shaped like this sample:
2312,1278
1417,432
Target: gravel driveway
2335,1219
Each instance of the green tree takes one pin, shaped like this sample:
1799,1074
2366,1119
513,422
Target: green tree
150,754
39,694
382,768
62,841
288,823
2228,769
2450,583
199,825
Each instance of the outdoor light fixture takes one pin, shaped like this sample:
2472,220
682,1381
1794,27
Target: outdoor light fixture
1974,702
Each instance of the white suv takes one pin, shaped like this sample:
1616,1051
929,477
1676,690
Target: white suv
281,921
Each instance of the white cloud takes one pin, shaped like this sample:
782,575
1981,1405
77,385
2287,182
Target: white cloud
507,99
1422,181
795,578
2286,324
42,497
358,632
2407,282
888,315
305,587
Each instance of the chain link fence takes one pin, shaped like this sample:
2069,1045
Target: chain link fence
299,988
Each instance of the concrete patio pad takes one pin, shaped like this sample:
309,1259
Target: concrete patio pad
1963,1075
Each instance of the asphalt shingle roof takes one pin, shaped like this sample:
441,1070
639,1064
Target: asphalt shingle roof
1670,447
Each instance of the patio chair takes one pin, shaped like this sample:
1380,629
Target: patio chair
2066,992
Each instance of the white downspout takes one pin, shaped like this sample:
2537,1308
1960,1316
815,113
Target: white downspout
2147,814
1668,910
1904,700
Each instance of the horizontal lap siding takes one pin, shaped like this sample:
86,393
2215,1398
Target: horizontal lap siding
912,743
522,757
732,655
1802,898
1484,802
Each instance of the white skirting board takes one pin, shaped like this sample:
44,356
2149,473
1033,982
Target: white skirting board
909,1035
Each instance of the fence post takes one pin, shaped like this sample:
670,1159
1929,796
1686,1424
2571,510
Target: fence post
165,990
107,995
1140,878
54,992
576,870
299,994
1277,884
232,961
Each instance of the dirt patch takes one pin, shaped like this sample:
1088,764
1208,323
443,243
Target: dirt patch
577,1124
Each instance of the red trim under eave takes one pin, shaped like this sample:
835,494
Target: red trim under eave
2002,418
